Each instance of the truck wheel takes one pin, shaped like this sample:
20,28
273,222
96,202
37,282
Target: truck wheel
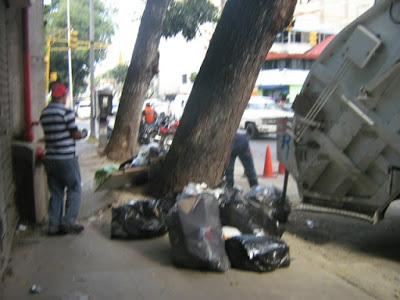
251,131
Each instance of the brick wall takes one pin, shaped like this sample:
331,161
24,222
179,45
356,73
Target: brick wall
12,112
7,203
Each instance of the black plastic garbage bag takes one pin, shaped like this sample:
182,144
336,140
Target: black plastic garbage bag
165,206
138,219
257,253
195,233
270,198
248,217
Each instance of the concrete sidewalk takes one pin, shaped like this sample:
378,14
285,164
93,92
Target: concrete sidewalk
92,266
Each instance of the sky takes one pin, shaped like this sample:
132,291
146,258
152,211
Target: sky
127,20
129,13
177,57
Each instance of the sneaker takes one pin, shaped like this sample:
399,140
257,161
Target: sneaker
72,229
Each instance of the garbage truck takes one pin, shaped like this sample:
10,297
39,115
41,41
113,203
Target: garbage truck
343,145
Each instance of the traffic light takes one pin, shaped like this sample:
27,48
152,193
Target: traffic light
313,38
53,76
73,39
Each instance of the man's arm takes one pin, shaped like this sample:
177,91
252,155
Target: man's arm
78,135
73,129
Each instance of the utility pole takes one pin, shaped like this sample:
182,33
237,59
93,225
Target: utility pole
70,81
91,68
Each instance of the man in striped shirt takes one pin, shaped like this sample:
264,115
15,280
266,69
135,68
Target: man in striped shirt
61,163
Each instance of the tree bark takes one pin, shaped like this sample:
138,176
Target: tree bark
201,147
144,65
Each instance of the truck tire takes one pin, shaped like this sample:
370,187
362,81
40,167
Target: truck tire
251,130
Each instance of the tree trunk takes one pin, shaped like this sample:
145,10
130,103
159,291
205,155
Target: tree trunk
222,89
143,67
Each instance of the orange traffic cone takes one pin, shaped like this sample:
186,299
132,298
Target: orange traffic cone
281,169
268,172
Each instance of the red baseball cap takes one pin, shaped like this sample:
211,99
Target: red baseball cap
58,90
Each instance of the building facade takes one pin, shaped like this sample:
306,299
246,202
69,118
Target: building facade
283,73
296,48
22,97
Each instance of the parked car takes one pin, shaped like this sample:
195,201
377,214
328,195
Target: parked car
83,109
260,116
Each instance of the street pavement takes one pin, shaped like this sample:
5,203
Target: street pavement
258,148
332,257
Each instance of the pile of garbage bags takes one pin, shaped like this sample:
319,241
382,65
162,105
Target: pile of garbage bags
195,221
250,217
147,153
138,219
270,199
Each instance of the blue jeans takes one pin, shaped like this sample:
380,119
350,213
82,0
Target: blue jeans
63,175
241,148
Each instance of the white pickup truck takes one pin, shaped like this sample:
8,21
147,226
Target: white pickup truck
260,116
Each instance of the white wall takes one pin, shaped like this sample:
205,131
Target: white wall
282,77
178,57
329,16
293,48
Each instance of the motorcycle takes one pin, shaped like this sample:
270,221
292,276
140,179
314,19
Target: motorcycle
147,133
166,133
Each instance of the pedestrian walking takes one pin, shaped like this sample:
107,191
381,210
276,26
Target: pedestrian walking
61,163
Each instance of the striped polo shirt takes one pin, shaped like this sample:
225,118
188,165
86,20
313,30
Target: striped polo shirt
58,122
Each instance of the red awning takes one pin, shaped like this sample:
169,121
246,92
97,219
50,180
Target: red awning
311,54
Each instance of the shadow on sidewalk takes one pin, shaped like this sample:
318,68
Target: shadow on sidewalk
380,240
156,249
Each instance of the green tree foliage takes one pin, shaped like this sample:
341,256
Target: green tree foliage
118,73
186,17
56,26
193,77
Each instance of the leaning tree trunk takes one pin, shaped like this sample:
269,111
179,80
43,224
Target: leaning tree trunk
238,48
143,67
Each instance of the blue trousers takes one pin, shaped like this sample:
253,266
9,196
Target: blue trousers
63,175
241,148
